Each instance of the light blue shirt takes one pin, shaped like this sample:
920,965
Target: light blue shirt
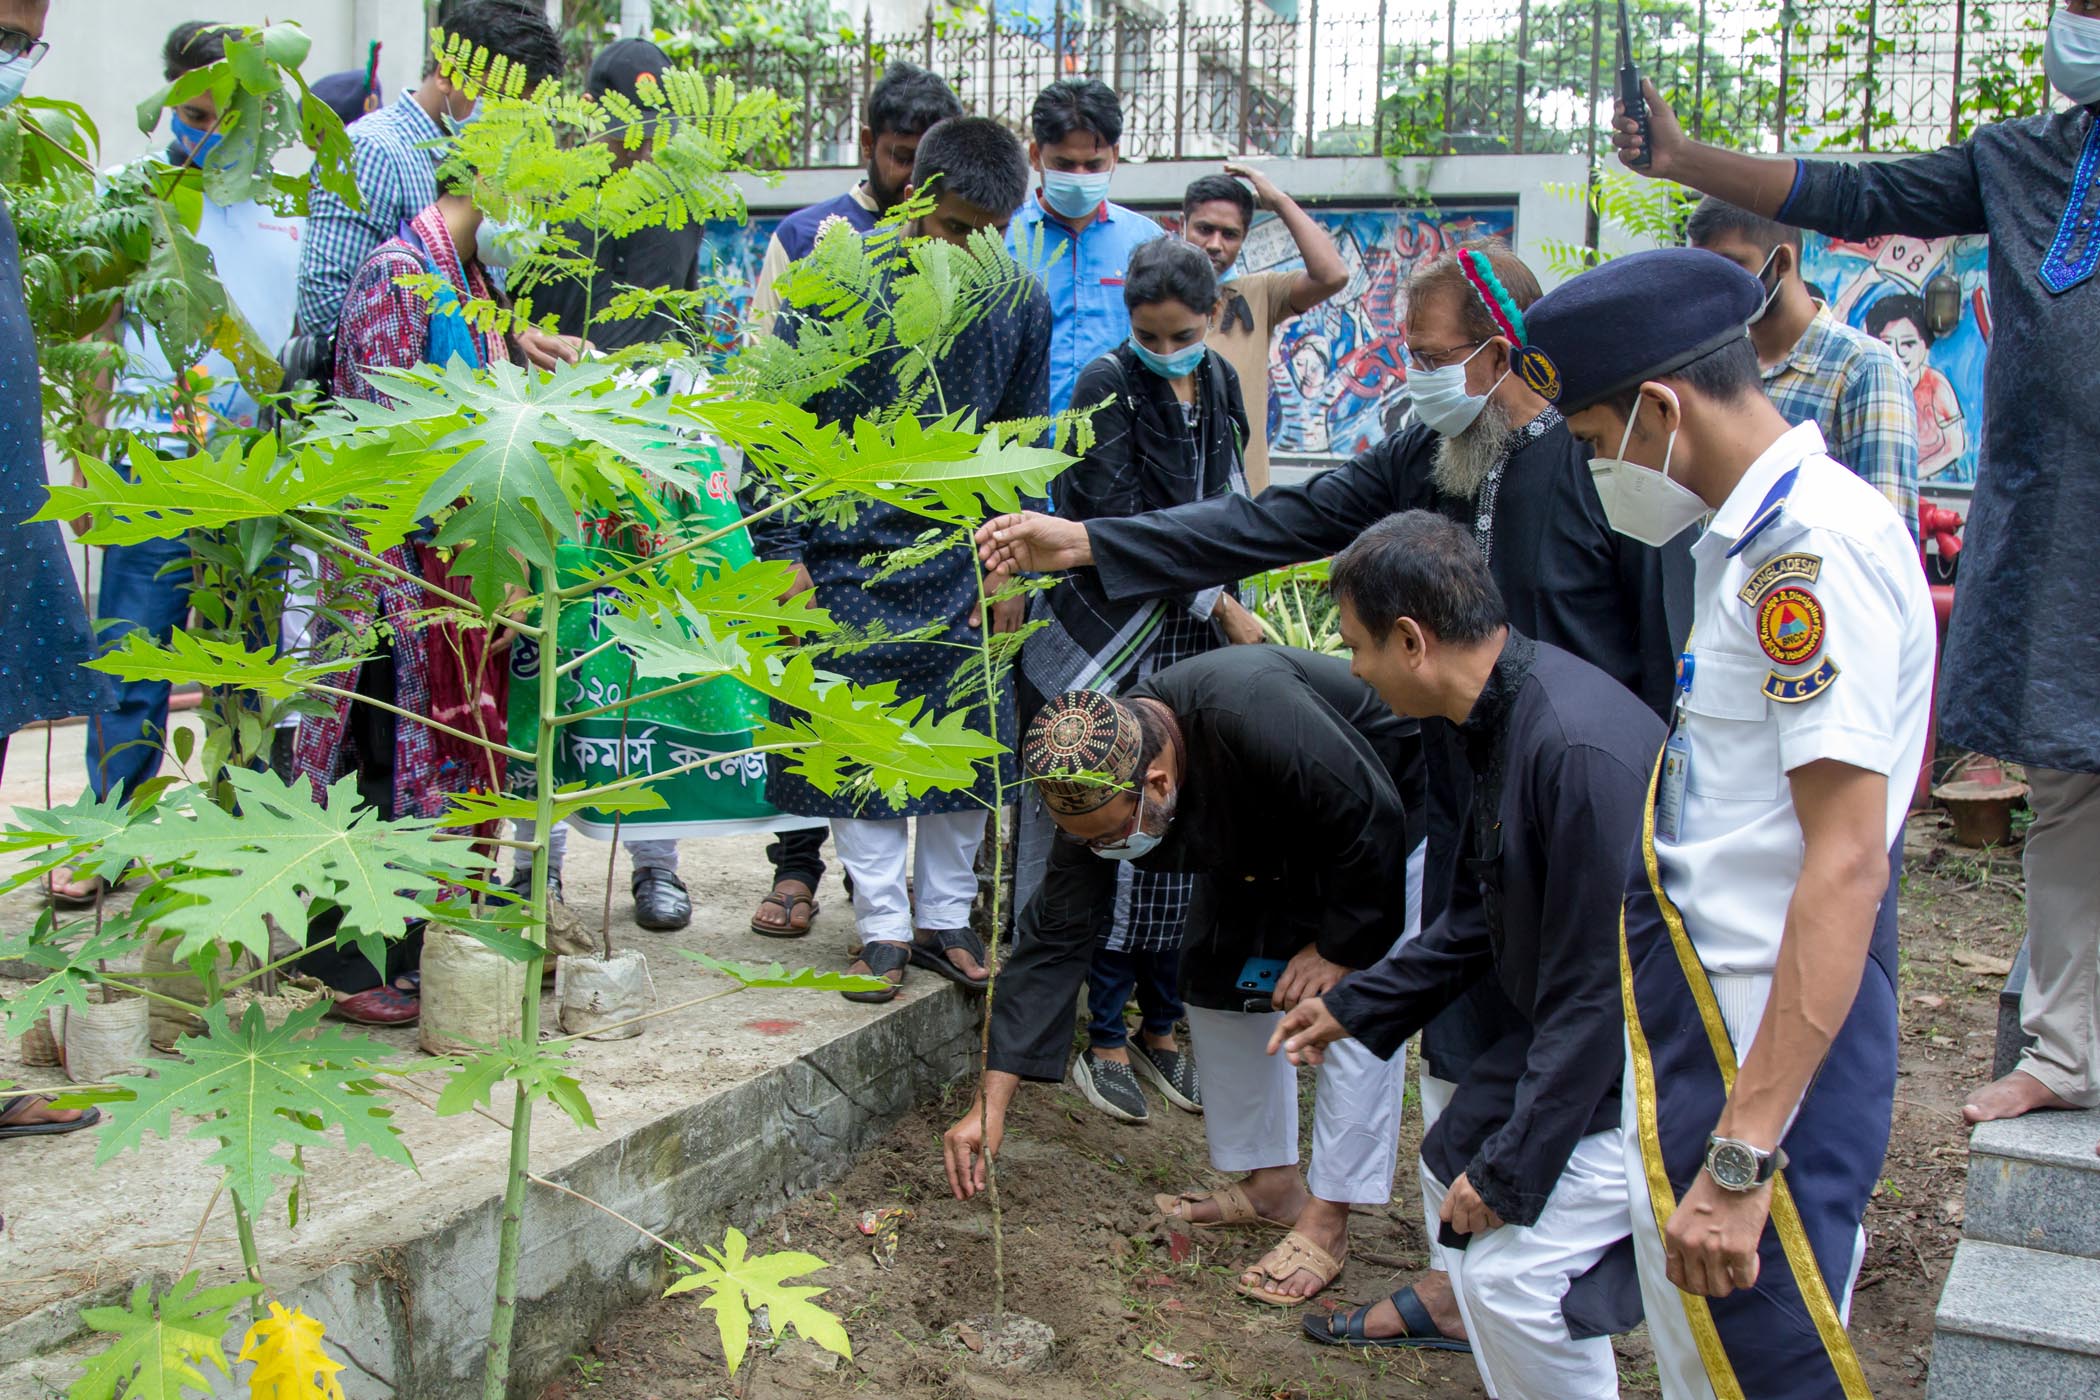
1084,276
256,254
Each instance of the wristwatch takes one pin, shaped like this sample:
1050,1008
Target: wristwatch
1737,1166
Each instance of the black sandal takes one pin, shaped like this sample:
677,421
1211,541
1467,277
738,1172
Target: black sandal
1347,1329
882,959
934,956
14,1105
787,904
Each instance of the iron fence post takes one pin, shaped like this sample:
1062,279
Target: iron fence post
1057,52
1516,141
1450,66
1589,145
1312,73
1246,71
809,91
1786,37
1866,107
867,59
1699,81
929,34
991,58
1378,87
1117,63
1181,73
1961,24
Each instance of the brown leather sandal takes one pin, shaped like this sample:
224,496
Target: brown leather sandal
787,904
1235,1210
1296,1254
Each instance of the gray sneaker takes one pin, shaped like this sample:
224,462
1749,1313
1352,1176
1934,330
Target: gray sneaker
1173,1073
1110,1087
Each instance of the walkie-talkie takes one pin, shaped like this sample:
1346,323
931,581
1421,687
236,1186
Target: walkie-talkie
1630,94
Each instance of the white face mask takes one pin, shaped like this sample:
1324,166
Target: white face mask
499,245
1771,293
1440,396
2071,56
1640,502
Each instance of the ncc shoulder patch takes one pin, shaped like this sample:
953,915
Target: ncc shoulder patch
1792,690
1790,625
1777,570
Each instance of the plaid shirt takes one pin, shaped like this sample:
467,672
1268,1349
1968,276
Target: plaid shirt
1853,387
397,175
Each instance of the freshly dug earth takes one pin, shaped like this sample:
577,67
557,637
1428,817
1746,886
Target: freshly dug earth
1087,1255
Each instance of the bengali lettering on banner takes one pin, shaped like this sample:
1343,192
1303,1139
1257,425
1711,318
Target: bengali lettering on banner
709,725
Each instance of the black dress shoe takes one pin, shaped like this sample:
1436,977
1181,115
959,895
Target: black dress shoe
520,887
660,900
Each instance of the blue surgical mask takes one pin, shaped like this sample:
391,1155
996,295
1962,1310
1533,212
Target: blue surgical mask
1072,194
1440,396
198,143
455,125
13,73
1137,844
500,245
1170,366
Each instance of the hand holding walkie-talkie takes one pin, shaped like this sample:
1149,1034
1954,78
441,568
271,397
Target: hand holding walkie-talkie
1633,103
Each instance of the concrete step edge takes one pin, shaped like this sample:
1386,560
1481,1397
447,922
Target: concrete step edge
2055,1139
2005,1293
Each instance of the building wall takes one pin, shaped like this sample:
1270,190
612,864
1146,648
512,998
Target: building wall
105,54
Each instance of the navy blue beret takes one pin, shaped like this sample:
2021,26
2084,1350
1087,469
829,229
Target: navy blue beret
1635,318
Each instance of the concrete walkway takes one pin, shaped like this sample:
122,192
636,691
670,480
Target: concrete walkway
712,1117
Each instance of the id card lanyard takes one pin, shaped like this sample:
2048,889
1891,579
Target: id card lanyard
1677,759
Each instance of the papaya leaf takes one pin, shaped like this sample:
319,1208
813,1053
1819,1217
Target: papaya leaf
68,973
69,835
745,600
540,1070
945,470
856,734
803,979
739,1283
500,928
202,659
160,1341
259,1092
474,808
290,1363
281,849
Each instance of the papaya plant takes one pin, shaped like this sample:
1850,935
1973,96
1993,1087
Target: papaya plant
495,465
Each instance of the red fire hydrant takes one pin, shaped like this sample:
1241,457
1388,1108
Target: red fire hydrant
1940,527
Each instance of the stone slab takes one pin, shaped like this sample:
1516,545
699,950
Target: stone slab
2012,1042
2035,1182
2016,1323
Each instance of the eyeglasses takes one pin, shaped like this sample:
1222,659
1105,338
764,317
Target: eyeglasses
1437,359
14,43
1102,843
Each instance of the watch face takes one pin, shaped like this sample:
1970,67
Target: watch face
1733,1165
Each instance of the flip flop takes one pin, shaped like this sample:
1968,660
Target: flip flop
1295,1253
1347,1329
78,901
882,959
389,1005
18,1102
1235,1211
934,956
787,903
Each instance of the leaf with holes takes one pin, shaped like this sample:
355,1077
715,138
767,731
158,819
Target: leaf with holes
262,1093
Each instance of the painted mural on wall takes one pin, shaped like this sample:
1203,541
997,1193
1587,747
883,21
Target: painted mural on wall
1880,286
1337,374
730,256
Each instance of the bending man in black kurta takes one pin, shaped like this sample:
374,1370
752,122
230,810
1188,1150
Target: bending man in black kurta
1292,793
1524,1173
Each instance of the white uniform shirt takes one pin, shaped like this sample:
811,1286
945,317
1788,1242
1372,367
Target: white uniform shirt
1812,638
256,254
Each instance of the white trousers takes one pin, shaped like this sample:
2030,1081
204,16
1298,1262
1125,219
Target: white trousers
646,855
1436,1097
1251,1119
1679,1371
1510,1281
943,870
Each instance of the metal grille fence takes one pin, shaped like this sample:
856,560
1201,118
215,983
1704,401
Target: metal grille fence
1209,78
